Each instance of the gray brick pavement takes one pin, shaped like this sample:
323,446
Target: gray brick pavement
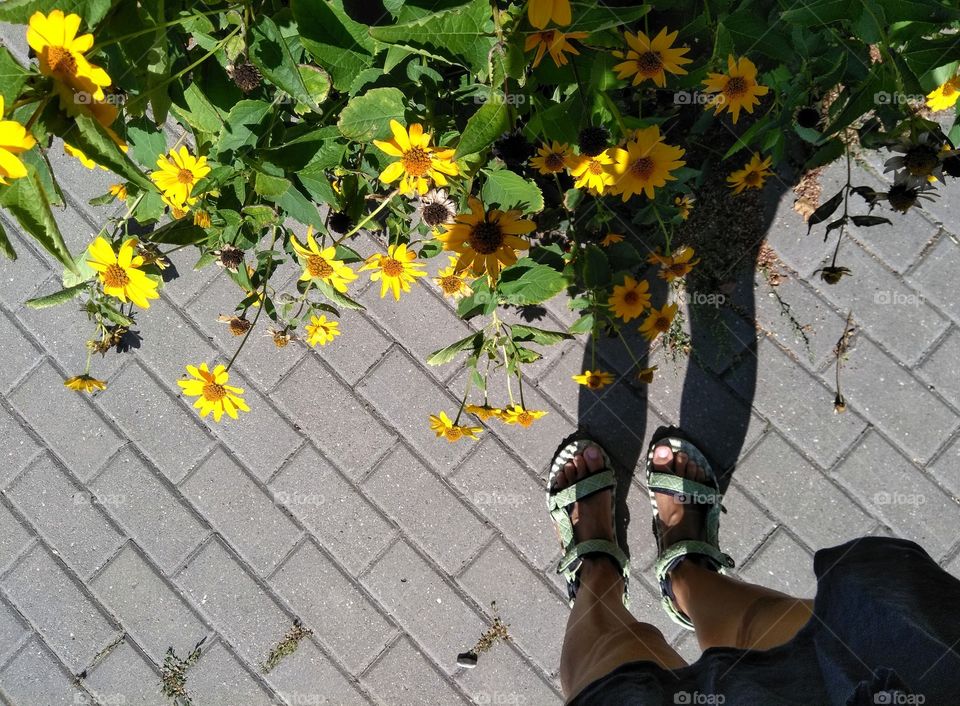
123,515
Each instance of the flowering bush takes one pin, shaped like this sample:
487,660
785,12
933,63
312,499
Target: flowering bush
525,148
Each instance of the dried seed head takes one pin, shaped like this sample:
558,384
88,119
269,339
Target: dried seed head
246,76
230,257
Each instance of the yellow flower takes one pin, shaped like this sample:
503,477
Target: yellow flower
611,238
736,89
678,264
442,426
484,412
451,283
201,219
120,273
281,339
486,240
594,173
518,415
645,164
321,331
551,158
213,392
658,321
420,163
555,42
178,173
322,264
649,59
541,12
60,52
85,383
14,139
944,96
177,211
395,270
594,379
630,299
645,375
83,158
684,205
752,176
656,258
119,191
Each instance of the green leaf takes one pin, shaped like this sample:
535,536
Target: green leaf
596,267
862,100
521,332
244,125
146,142
19,11
338,298
431,248
298,206
820,12
114,315
95,142
6,247
269,186
445,355
200,113
57,298
510,190
623,256
178,232
527,282
26,200
751,32
583,325
317,183
269,52
599,17
461,34
260,216
367,117
317,83
14,77
339,44
490,121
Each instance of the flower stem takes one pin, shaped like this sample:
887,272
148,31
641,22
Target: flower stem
263,301
369,217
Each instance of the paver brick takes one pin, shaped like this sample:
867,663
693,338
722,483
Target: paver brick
65,515
646,607
19,355
152,419
504,492
623,423
334,419
125,677
17,447
358,347
241,511
559,386
341,616
504,677
148,509
934,276
406,397
238,606
528,443
149,609
427,608
405,676
84,185
65,616
65,420
34,676
785,482
893,490
536,615
448,532
308,677
14,537
941,369
946,469
12,631
800,406
170,343
341,519
219,679
188,281
895,401
783,565
19,280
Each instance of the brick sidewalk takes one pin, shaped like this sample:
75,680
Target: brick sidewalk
128,525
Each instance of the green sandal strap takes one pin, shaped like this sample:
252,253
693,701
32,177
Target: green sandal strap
592,546
669,558
675,485
593,483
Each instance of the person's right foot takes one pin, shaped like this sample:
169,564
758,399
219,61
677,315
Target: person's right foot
679,520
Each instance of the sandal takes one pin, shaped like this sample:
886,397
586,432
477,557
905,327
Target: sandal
706,552
559,504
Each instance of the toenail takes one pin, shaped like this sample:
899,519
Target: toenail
662,452
592,453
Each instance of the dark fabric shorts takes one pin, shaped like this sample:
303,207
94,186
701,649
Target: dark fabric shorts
886,630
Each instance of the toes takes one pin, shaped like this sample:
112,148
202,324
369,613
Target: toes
680,465
562,479
593,458
663,459
698,474
581,467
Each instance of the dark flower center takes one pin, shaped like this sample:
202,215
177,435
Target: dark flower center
486,237
650,62
736,86
435,213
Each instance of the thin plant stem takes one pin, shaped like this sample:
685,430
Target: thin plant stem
263,301
369,217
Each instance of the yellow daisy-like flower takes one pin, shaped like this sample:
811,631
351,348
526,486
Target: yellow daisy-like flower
60,52
119,191
518,415
322,264
14,140
630,299
444,427
752,176
395,270
483,412
658,321
85,383
678,265
610,239
451,283
645,164
201,219
486,241
945,95
684,205
650,58
594,173
555,42
657,258
420,163
177,210
213,392
178,173
542,12
321,331
551,158
645,375
594,379
736,89
120,272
